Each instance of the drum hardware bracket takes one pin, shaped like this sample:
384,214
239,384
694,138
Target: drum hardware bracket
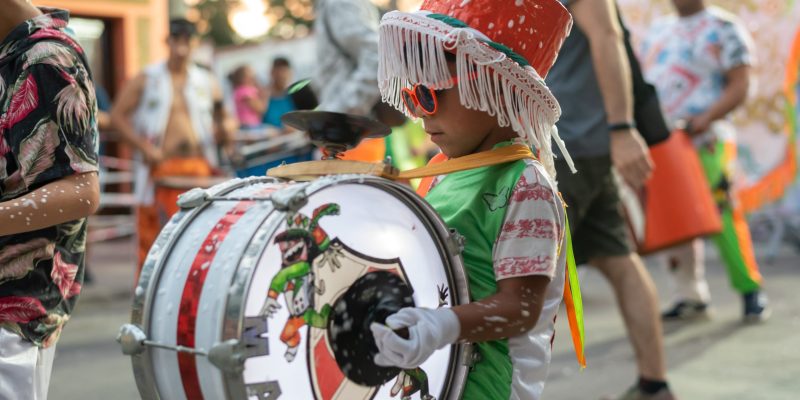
134,341
455,242
131,339
193,198
228,356
197,197
291,199
471,355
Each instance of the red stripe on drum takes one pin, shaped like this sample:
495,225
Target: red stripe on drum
332,379
190,300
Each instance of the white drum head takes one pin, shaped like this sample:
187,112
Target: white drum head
344,232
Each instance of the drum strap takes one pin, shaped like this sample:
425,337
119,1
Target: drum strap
440,165
496,156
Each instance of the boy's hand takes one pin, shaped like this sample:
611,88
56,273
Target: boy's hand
429,330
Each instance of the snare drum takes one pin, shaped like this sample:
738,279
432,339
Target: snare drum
261,155
238,297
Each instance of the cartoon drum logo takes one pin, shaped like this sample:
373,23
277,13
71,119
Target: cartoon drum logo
322,300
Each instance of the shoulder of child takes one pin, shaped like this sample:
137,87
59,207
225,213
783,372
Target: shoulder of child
535,174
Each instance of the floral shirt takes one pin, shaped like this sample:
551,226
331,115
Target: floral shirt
686,58
47,132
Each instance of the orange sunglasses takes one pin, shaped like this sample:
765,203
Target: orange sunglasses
424,98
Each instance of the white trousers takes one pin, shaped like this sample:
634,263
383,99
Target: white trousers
24,368
686,263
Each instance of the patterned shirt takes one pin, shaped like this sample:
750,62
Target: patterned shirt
47,132
532,227
523,205
686,58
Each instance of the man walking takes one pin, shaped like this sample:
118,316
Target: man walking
591,80
170,114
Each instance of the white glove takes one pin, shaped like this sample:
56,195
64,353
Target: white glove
429,330
270,307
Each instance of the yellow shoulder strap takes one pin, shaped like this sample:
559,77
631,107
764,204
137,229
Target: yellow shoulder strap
500,155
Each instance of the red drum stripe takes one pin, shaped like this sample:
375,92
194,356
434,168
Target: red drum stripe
190,300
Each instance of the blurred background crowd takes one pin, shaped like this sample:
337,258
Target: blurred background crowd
259,59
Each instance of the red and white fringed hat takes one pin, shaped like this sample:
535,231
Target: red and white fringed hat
503,49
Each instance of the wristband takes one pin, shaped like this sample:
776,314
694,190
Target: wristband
621,126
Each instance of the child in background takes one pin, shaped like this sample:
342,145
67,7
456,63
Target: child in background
247,98
473,72
280,102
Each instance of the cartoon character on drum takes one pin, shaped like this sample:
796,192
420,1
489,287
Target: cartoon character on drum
301,243
411,381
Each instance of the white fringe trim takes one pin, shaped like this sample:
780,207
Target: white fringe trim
413,49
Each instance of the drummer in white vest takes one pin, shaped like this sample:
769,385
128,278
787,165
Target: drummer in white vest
172,115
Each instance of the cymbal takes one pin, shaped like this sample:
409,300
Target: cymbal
371,298
326,127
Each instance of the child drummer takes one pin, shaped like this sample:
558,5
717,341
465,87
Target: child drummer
473,72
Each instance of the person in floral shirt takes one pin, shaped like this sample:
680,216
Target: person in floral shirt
700,61
48,186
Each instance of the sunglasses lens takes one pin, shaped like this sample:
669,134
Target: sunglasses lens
427,99
408,100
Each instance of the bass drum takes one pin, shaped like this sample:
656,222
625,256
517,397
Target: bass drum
262,289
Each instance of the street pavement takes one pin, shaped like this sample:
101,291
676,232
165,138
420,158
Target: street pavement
708,360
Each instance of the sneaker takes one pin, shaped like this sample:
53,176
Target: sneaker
635,393
756,307
687,310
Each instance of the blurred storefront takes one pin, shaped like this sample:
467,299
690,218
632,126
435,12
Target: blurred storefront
120,36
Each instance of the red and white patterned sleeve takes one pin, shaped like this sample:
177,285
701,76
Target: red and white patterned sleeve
532,230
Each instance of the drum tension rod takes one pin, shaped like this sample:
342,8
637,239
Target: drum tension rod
289,199
179,349
133,341
228,356
239,199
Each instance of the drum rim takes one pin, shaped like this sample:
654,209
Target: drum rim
150,275
233,318
233,321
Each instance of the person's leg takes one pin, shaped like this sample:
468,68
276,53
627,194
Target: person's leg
691,295
686,264
736,249
24,368
734,242
44,369
638,303
600,237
